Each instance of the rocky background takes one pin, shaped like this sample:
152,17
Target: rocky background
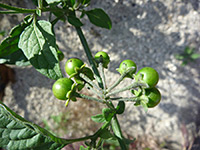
151,33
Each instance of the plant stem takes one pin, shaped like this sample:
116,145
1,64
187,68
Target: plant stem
17,9
133,85
118,133
99,143
24,10
88,97
90,81
9,12
89,56
88,86
102,75
131,99
40,4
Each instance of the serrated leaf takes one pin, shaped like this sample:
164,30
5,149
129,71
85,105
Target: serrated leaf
17,133
39,46
10,44
74,21
98,118
16,58
99,18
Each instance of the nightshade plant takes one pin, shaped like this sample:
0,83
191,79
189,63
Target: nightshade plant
33,43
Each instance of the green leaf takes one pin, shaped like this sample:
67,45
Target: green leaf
195,56
73,2
118,134
188,50
17,58
179,57
10,44
108,113
184,63
53,1
98,118
39,46
99,18
106,135
85,2
17,133
59,15
83,148
74,21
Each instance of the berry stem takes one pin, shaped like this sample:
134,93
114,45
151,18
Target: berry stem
90,81
131,99
132,86
101,69
88,86
120,79
88,97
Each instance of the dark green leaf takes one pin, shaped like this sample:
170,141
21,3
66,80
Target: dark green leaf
59,15
108,113
73,2
128,141
16,58
98,118
74,21
106,134
17,133
120,107
184,63
82,14
39,46
10,44
195,56
99,18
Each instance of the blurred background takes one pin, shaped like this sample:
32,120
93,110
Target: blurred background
161,34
